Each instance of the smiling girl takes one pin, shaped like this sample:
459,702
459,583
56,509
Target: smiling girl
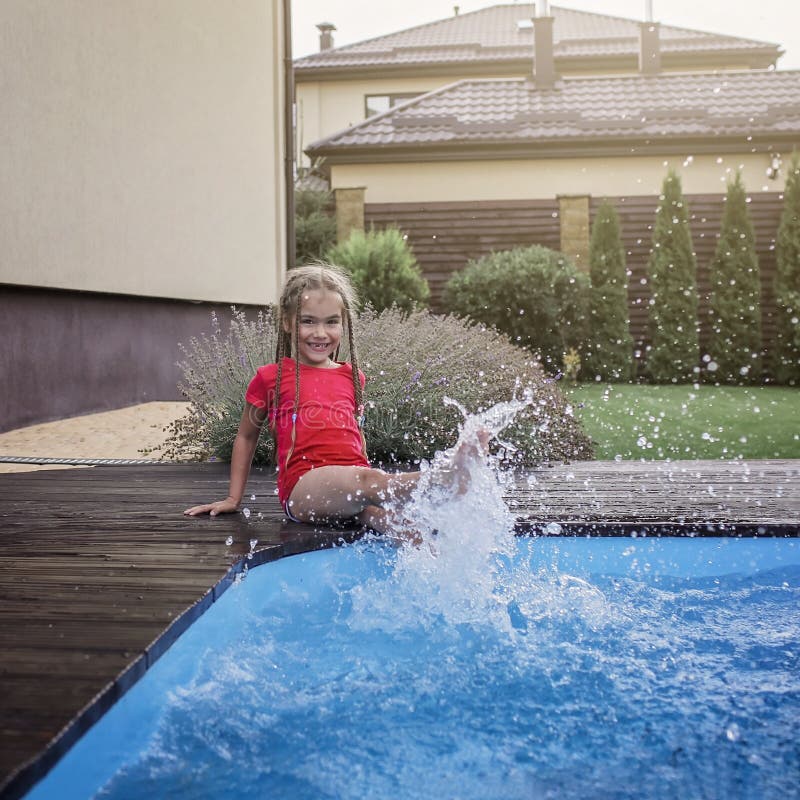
314,405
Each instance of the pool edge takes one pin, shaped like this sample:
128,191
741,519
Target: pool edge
29,774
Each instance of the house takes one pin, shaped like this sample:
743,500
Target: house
582,107
142,159
340,87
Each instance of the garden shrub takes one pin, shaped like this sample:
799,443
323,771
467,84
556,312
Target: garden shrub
383,269
411,362
217,369
314,224
786,355
609,349
735,300
534,295
672,275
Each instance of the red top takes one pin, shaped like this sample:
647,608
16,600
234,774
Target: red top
326,431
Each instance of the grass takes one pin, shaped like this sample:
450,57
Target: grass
687,422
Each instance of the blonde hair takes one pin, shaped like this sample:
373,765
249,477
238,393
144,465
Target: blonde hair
313,277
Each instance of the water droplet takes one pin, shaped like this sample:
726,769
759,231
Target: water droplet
229,541
246,513
733,733
552,529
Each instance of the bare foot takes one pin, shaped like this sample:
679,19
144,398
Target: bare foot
468,453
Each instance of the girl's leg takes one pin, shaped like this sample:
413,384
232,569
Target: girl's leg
337,492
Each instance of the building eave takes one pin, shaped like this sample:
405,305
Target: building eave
760,58
586,148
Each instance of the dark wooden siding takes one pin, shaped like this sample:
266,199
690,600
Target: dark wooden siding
444,236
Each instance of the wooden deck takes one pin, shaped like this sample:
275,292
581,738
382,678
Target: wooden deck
101,572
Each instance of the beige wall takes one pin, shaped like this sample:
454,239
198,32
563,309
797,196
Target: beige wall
141,147
547,178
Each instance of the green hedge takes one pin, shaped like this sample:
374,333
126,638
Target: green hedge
383,269
534,295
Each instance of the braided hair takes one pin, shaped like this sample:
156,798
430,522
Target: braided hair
298,281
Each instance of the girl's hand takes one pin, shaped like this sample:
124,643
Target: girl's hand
226,506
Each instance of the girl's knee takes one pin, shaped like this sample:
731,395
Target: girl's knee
373,480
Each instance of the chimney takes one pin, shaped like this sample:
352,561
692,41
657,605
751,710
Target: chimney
544,65
325,35
649,49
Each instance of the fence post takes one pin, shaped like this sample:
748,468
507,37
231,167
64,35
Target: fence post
573,215
349,211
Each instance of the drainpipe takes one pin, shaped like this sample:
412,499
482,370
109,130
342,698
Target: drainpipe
288,128
544,67
649,47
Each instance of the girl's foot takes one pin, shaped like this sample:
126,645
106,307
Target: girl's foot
468,453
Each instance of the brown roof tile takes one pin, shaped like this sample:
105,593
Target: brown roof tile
654,108
493,35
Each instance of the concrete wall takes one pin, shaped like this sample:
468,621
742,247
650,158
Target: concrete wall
141,181
444,181
71,353
141,147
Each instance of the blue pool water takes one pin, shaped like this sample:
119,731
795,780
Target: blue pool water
531,668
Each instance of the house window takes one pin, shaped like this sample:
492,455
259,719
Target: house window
378,103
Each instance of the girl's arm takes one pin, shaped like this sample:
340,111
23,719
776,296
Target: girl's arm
244,446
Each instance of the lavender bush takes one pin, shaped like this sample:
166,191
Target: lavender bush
412,362
217,368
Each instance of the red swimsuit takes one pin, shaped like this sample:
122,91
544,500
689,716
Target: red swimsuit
326,431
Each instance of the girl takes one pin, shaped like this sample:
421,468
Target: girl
314,406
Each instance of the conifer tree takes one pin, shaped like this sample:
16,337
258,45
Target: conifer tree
672,271
786,356
735,301
610,350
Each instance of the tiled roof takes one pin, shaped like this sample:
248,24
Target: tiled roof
638,108
493,35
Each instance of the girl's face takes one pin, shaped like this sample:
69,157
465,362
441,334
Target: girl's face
320,325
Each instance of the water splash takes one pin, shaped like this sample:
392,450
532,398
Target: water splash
461,571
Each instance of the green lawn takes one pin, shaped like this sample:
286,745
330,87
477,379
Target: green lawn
684,422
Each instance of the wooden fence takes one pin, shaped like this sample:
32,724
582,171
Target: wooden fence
444,236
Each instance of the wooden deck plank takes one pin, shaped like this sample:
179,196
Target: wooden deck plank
96,563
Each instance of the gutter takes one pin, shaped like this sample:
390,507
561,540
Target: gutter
288,123
626,63
498,150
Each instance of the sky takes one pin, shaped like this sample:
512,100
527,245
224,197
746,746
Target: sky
775,21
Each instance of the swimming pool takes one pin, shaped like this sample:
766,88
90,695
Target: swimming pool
530,668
